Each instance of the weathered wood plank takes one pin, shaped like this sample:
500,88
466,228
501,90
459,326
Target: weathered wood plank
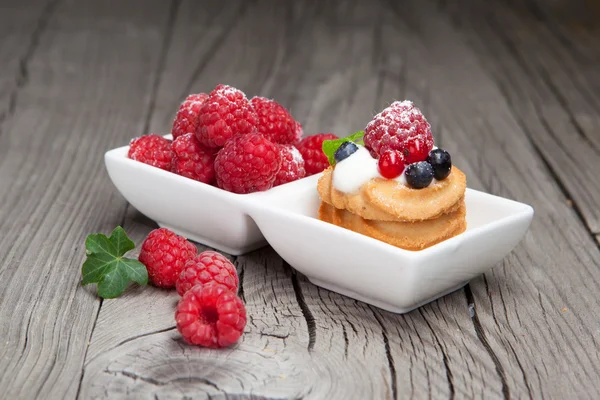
452,347
552,99
522,330
81,88
517,307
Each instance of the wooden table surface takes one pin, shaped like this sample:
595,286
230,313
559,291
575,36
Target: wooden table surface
512,90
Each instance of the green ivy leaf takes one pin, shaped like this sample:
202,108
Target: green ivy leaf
106,266
330,146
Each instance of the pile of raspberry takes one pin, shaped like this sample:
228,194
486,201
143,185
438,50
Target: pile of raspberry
239,145
210,313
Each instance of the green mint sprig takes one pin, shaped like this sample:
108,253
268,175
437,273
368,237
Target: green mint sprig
330,146
106,266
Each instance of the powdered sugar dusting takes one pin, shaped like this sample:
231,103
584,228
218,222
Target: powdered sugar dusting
296,156
401,127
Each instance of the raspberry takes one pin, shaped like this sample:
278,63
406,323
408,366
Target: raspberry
299,131
292,165
198,97
311,148
210,316
164,254
247,163
186,120
401,127
208,266
275,122
225,113
153,150
193,160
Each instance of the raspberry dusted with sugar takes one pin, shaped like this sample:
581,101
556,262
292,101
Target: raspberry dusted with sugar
248,163
311,148
164,254
153,150
292,165
208,266
193,160
186,120
274,121
401,127
211,316
225,113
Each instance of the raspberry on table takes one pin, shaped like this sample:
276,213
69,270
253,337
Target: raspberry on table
275,122
402,127
211,316
186,120
192,160
208,266
248,163
225,113
292,165
153,150
164,254
311,148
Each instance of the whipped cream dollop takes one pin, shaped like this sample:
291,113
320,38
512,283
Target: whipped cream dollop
354,171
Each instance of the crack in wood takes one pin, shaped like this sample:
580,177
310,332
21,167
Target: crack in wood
101,301
240,281
523,374
156,382
479,331
276,335
388,353
308,317
449,376
345,341
141,335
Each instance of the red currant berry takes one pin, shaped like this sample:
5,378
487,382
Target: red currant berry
416,149
391,164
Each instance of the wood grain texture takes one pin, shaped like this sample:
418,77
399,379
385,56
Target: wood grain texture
555,103
510,91
78,89
557,259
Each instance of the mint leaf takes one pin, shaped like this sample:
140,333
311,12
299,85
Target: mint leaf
330,146
106,266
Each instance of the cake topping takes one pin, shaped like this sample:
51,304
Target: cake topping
441,162
419,175
350,174
345,150
391,164
402,127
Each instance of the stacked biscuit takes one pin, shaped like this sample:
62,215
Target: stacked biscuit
390,211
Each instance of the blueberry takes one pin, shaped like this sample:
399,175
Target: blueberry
441,162
345,150
419,175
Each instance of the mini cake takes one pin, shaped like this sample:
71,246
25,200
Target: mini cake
397,188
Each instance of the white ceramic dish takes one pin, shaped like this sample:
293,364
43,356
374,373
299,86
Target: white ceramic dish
195,210
332,257
374,272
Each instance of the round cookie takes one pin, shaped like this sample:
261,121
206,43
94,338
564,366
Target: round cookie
405,235
389,200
